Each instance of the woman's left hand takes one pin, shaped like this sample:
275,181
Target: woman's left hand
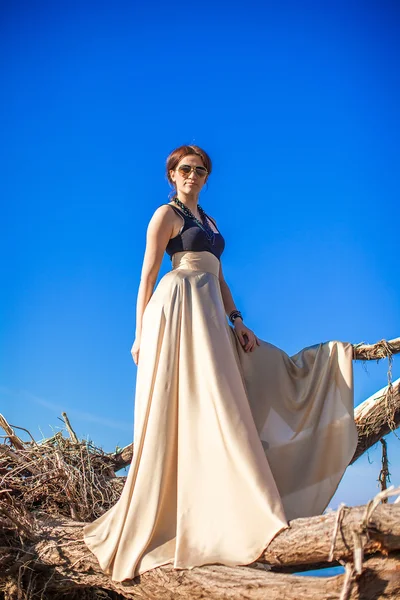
246,336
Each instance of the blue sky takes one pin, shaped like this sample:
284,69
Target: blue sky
297,105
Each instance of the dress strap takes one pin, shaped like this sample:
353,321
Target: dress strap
215,225
175,209
182,214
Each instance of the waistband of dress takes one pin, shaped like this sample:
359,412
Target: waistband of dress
196,261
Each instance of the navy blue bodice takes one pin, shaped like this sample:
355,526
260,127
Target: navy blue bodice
193,237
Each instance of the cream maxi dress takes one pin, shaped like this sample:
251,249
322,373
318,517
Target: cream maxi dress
228,446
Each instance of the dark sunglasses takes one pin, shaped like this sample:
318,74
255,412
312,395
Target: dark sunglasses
185,170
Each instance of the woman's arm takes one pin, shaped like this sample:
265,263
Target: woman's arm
229,303
246,336
227,298
159,231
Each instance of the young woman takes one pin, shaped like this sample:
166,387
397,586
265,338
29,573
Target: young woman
232,437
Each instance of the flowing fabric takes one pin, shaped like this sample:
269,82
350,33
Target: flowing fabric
228,446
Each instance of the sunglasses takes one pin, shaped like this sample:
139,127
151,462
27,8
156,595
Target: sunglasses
185,170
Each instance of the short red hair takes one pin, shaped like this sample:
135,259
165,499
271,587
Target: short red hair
176,156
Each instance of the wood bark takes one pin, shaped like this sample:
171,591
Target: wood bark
379,580
381,349
43,555
58,554
307,542
376,417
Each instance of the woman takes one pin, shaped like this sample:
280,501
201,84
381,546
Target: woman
232,437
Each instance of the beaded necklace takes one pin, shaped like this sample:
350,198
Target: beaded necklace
210,234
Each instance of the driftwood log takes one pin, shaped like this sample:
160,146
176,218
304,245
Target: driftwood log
376,417
67,566
48,489
55,552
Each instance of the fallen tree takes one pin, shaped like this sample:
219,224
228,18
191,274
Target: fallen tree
55,552
48,489
376,417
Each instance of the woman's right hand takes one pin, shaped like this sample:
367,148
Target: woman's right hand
135,350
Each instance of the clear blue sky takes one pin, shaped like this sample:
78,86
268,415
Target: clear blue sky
297,105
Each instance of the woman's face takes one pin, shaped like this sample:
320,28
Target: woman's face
192,182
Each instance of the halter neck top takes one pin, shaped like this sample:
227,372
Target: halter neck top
193,237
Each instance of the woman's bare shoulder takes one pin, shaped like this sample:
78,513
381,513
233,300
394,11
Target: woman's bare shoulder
163,211
165,218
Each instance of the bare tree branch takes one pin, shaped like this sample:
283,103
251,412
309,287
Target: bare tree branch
381,349
377,416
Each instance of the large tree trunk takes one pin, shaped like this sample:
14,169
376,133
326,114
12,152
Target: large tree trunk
58,555
49,489
376,417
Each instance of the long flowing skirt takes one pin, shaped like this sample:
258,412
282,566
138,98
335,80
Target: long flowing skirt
228,446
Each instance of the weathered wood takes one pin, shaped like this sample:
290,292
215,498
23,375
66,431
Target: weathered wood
124,458
41,551
68,425
376,351
376,417
65,564
308,540
15,440
58,553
